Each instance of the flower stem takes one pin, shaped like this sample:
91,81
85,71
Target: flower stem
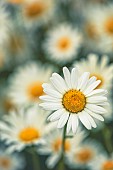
35,159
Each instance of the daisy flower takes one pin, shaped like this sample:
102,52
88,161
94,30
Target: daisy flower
83,155
37,11
53,146
26,84
21,129
62,43
5,24
74,98
102,162
10,161
100,69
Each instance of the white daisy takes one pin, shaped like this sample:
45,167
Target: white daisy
26,84
25,128
102,162
37,11
53,145
74,98
83,154
102,70
5,24
10,161
62,43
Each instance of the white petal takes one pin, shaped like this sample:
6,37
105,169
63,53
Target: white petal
52,93
90,88
96,99
60,79
97,116
56,115
49,98
62,121
91,120
51,106
57,85
84,120
97,92
69,124
74,77
74,123
95,108
67,76
52,160
91,80
83,81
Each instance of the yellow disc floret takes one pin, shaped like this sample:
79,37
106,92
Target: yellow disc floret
74,101
29,134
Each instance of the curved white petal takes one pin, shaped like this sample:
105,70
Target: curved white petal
84,120
67,76
74,77
63,119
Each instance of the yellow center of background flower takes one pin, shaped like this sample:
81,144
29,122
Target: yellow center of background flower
108,165
74,101
58,143
35,9
85,155
35,90
5,163
91,31
29,134
109,26
64,43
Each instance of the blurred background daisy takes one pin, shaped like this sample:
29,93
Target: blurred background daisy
38,38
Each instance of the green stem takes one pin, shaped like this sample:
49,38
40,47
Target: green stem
35,159
108,138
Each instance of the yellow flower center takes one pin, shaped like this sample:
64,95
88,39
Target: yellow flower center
108,165
5,163
35,9
35,90
84,155
29,134
16,1
74,101
64,43
58,143
91,31
109,25
99,77
8,105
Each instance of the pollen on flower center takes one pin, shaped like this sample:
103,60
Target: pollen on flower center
109,25
29,134
108,165
35,90
64,43
74,101
84,155
35,9
5,163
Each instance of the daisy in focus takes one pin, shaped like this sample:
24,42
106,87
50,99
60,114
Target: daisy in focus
102,162
83,155
100,69
22,129
37,11
62,43
26,83
5,24
10,161
74,98
53,146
